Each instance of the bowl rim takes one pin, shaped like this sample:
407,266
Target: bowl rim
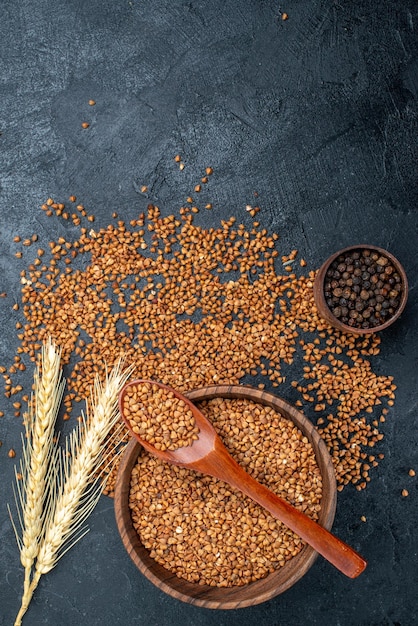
323,308
227,597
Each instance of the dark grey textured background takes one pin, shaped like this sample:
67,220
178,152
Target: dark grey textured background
319,115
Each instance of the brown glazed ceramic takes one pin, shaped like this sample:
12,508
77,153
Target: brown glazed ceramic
325,313
233,597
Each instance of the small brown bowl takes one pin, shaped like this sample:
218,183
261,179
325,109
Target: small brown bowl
240,596
325,312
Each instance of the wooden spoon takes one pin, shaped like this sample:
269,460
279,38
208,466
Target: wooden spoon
208,455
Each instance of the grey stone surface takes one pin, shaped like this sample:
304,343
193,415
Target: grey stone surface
319,115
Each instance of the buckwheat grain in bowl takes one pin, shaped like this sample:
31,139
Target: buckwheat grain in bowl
361,289
202,541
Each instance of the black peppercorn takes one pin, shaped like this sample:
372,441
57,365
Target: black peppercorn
362,288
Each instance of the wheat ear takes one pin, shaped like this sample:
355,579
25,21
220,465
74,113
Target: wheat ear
78,483
38,449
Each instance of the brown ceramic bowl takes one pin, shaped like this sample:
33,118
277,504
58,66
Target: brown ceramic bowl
325,312
240,596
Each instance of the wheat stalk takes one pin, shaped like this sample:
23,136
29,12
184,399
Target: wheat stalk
38,449
76,482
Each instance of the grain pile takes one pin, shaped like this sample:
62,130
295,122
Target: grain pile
158,416
209,533
192,306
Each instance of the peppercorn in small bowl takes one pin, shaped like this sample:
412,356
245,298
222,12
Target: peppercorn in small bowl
361,289
198,540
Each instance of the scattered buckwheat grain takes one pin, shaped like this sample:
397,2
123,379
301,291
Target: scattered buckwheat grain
192,306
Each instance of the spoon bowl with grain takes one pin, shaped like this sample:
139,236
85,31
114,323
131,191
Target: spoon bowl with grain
169,426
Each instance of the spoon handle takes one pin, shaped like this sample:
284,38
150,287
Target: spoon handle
334,550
